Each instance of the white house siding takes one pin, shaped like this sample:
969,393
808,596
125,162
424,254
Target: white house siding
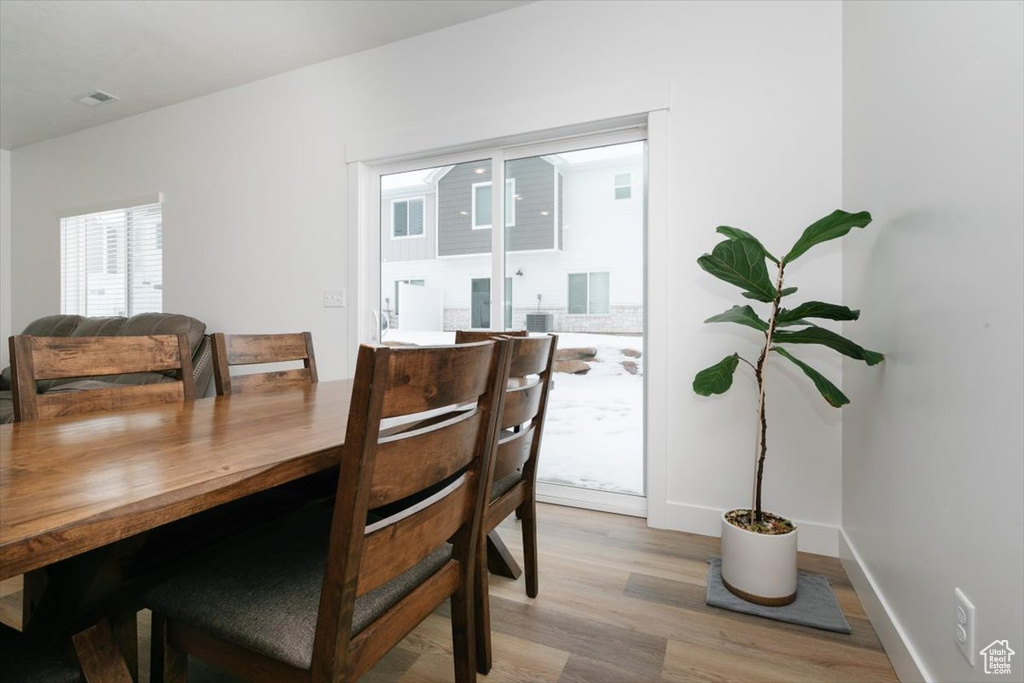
601,234
408,248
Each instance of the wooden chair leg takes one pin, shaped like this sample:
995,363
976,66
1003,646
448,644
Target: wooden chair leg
125,627
482,615
529,510
167,664
98,655
463,645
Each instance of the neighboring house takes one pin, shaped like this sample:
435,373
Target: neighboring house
574,235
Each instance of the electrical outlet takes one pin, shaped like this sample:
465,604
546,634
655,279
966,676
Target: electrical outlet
964,625
334,298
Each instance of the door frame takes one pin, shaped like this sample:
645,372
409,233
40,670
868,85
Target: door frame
364,265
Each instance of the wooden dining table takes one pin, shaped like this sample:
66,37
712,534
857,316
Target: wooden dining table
73,485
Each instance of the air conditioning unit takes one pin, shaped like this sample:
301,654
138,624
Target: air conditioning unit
539,322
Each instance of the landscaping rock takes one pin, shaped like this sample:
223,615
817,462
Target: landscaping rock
573,367
631,366
632,353
584,353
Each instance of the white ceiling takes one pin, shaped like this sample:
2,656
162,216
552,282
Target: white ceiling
152,54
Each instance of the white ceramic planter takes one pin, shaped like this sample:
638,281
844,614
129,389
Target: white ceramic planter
758,567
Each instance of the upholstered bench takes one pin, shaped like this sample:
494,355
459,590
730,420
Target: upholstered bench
141,324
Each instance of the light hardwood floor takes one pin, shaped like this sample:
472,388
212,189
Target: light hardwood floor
619,602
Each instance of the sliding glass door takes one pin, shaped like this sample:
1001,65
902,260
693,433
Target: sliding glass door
565,256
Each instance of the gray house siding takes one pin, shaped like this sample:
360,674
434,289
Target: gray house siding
535,214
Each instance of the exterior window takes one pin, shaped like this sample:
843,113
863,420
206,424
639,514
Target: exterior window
482,204
407,217
623,185
112,262
589,293
417,283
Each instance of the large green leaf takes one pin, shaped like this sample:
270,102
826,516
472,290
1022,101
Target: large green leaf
718,378
743,315
830,392
834,225
736,233
741,262
817,309
819,335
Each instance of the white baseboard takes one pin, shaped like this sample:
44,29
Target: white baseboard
605,501
812,537
897,646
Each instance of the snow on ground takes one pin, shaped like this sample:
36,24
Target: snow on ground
594,432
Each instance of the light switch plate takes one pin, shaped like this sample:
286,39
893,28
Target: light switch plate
334,298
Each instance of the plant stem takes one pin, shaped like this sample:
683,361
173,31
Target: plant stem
761,449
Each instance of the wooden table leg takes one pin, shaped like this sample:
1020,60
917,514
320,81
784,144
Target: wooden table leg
98,655
80,590
499,559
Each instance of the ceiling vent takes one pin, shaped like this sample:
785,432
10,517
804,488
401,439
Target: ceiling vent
97,97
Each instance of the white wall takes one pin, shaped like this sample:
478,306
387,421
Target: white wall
5,255
932,444
256,197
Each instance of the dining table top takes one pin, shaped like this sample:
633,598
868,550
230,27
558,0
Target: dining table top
72,484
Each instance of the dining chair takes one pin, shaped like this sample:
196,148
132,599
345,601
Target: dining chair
231,350
323,594
41,358
514,475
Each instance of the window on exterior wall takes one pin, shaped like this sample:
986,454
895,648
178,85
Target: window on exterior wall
417,283
623,185
112,262
482,204
589,293
407,217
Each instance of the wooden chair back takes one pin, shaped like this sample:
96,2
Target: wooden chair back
259,349
522,418
435,474
40,358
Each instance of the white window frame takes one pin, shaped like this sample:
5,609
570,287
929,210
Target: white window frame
122,245
589,273
423,232
510,207
628,186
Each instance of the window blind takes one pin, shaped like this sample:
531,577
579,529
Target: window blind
112,262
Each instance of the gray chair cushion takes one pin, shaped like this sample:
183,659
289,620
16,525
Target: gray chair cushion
24,660
48,326
262,591
6,406
53,326
100,327
505,484
165,323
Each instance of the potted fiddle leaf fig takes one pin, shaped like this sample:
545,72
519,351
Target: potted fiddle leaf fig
759,547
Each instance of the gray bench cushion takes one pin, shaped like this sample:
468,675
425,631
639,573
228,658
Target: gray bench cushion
505,484
24,661
262,591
